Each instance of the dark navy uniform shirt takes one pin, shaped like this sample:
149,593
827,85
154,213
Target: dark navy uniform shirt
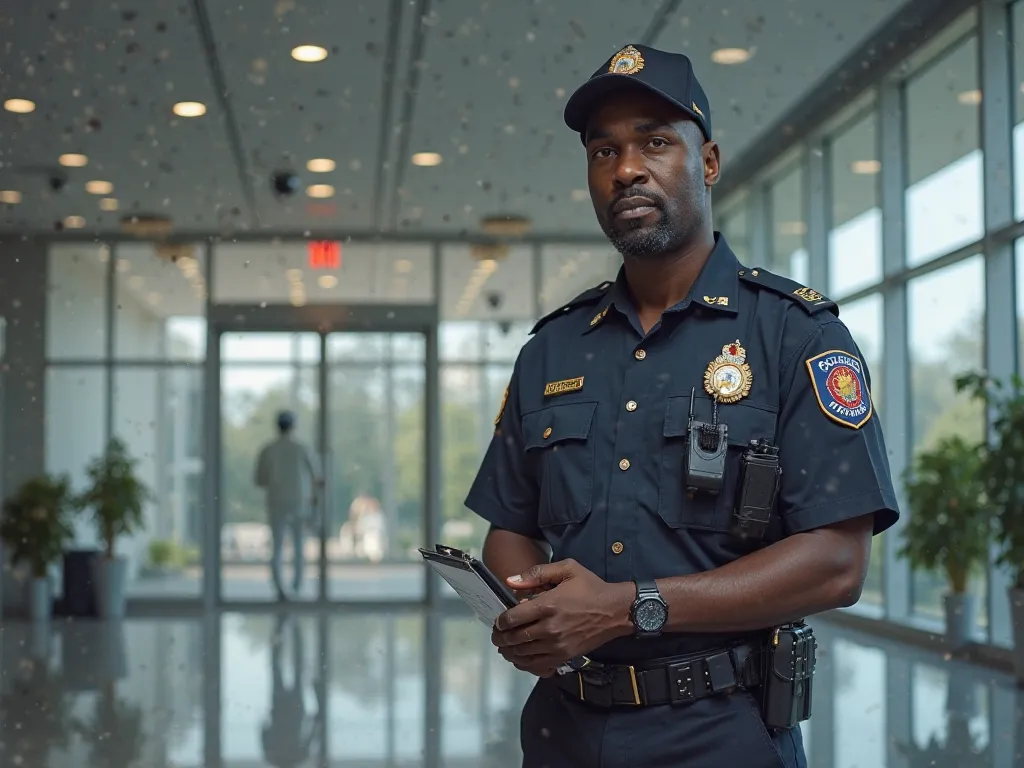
588,450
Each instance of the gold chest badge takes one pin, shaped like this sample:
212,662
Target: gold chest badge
728,377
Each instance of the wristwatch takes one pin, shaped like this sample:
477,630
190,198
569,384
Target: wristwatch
649,611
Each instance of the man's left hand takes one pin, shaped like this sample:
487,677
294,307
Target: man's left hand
580,613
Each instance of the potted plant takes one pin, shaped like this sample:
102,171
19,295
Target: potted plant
947,529
168,558
1003,478
116,497
35,527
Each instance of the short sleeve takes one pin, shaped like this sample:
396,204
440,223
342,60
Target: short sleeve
831,449
505,492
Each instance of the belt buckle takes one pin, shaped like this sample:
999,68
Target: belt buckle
680,685
597,687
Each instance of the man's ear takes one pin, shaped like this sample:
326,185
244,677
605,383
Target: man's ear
712,163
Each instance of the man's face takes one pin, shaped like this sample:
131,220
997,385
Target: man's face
648,169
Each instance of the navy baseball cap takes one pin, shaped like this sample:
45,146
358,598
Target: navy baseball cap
668,75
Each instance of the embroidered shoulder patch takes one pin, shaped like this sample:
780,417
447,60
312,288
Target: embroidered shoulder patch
840,387
501,408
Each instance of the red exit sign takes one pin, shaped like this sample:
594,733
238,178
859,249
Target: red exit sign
324,254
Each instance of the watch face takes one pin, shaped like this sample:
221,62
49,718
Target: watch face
650,615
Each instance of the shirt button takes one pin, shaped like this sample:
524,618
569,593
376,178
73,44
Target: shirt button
640,354
624,464
547,433
631,406
617,548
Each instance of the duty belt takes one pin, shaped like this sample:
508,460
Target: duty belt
678,680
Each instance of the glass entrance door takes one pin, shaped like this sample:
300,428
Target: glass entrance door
358,403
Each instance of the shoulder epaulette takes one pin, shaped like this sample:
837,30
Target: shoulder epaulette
811,301
587,297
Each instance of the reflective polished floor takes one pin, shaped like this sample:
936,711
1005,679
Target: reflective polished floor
412,688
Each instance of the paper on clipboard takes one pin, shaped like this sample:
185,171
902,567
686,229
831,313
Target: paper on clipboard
485,604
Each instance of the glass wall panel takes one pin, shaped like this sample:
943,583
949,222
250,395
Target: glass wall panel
160,302
944,198
734,227
375,421
306,273
1017,82
261,374
855,235
789,226
864,319
76,423
76,304
945,324
1018,252
487,283
567,271
158,412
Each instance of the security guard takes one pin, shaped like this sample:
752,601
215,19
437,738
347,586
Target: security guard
686,464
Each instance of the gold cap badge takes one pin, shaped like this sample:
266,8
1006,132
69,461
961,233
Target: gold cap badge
728,377
628,61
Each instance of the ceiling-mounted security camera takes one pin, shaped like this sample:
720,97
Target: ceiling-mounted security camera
57,181
284,183
494,299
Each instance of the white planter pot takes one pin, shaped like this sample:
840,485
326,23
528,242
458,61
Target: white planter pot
109,578
1017,617
40,603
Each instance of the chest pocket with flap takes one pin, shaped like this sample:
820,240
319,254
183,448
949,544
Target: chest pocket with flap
704,511
558,439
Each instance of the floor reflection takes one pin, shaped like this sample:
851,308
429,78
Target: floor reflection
412,688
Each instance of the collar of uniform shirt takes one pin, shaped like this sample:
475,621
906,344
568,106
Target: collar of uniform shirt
716,286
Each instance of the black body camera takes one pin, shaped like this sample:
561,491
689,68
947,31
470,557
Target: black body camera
706,449
788,676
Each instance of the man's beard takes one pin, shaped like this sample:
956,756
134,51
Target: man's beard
666,236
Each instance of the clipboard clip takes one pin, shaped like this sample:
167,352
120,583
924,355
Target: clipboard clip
451,552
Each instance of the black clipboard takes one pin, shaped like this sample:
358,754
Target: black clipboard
482,590
472,580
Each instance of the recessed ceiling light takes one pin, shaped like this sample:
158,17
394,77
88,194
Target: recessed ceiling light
20,106
321,165
970,98
730,55
403,266
74,222
99,187
293,275
108,204
320,190
327,281
866,167
426,159
10,196
189,109
309,53
73,160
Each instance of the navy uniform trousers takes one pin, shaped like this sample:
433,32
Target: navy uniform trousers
716,732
